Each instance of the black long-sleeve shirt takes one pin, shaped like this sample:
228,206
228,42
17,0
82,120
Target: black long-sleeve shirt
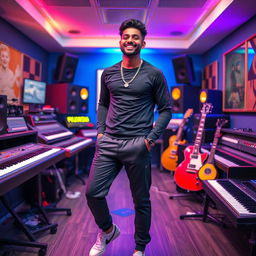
126,112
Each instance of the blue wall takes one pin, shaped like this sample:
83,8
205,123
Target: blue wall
238,120
99,59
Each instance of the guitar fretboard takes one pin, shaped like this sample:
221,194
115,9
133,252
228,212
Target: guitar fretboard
199,135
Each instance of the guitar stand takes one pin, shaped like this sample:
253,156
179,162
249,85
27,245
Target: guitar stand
204,216
182,194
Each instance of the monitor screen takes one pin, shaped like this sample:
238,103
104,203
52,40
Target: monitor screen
34,91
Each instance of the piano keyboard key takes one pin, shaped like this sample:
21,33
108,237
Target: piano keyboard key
32,160
82,143
230,199
58,135
53,132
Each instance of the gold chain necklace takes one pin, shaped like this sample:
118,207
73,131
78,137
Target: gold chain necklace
126,84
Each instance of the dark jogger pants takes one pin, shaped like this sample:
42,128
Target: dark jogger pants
110,156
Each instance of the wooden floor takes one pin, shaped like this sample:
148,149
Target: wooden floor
170,235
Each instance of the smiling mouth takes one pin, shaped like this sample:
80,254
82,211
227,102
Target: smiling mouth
130,45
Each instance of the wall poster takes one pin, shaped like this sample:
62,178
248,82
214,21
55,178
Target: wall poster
14,67
10,72
239,77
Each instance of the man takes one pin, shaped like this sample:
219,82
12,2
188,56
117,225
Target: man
129,91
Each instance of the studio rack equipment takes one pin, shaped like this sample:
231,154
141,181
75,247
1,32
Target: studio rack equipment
51,132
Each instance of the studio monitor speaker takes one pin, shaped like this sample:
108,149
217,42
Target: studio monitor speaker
3,114
183,69
211,96
184,97
68,98
66,68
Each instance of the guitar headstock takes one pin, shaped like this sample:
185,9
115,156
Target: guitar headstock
207,108
221,122
188,113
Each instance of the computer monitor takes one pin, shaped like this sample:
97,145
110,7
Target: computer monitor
34,92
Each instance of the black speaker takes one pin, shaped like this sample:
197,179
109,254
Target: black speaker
3,114
183,69
68,98
211,96
184,97
66,68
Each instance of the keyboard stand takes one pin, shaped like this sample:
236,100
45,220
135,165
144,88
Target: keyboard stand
30,234
252,242
204,216
77,169
42,247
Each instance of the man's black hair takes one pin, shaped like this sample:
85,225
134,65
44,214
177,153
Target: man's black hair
132,23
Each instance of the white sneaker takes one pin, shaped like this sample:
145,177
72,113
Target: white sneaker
102,240
138,253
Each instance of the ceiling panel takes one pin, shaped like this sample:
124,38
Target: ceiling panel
117,16
124,3
67,2
182,3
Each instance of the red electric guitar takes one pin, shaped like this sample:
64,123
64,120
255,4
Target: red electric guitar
186,174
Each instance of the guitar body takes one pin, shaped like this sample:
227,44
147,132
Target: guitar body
169,157
207,172
186,174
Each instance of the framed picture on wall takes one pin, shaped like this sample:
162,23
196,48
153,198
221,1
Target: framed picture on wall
234,79
98,85
10,72
210,76
239,77
251,78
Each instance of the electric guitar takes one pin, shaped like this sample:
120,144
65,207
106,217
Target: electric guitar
169,157
186,174
208,170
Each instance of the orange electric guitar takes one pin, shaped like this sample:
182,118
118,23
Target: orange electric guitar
186,174
208,170
169,157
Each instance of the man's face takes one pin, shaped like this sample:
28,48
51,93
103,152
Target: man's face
131,42
4,59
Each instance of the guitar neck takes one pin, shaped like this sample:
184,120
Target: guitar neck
199,134
180,130
214,146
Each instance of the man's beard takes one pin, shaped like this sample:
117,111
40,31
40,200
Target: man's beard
135,52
